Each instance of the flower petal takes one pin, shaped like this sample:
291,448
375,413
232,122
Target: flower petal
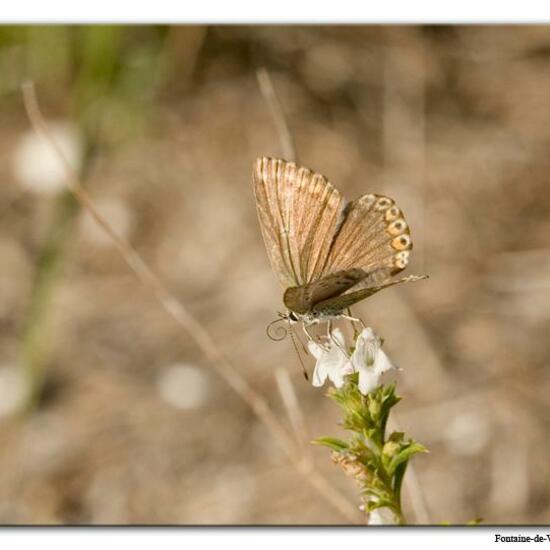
338,336
368,379
369,360
319,374
315,349
336,375
368,334
382,516
332,361
382,362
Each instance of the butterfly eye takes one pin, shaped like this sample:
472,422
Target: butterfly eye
403,242
392,213
397,227
367,200
402,259
382,204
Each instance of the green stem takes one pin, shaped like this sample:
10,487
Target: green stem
37,338
377,461
102,72
399,476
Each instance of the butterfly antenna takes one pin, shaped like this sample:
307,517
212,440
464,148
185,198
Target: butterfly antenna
293,338
279,333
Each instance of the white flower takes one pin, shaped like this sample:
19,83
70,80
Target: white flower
369,360
36,164
332,361
382,516
183,386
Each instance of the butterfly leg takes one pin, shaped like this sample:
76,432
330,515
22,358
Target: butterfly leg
312,338
350,317
354,320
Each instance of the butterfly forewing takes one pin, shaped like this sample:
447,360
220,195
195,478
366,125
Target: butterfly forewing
299,212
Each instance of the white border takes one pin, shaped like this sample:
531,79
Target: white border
449,538
281,11
284,12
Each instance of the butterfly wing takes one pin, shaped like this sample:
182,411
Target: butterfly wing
301,299
373,236
299,213
336,304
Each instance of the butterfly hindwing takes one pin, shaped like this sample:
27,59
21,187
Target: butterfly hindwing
301,299
337,304
374,236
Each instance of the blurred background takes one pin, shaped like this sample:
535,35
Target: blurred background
109,412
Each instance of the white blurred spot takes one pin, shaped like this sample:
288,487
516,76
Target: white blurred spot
115,213
37,166
12,389
183,386
468,434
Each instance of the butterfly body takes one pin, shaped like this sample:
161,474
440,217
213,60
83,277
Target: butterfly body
327,253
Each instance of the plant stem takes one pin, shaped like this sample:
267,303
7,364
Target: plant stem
37,331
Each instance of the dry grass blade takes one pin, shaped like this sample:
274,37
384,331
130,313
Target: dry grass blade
404,129
285,136
181,315
293,409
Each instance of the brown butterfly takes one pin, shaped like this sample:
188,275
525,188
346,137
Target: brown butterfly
327,253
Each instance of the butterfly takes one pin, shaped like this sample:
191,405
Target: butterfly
327,253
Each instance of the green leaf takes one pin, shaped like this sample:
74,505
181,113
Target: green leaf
398,476
404,455
381,503
390,448
397,437
374,407
370,433
332,442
